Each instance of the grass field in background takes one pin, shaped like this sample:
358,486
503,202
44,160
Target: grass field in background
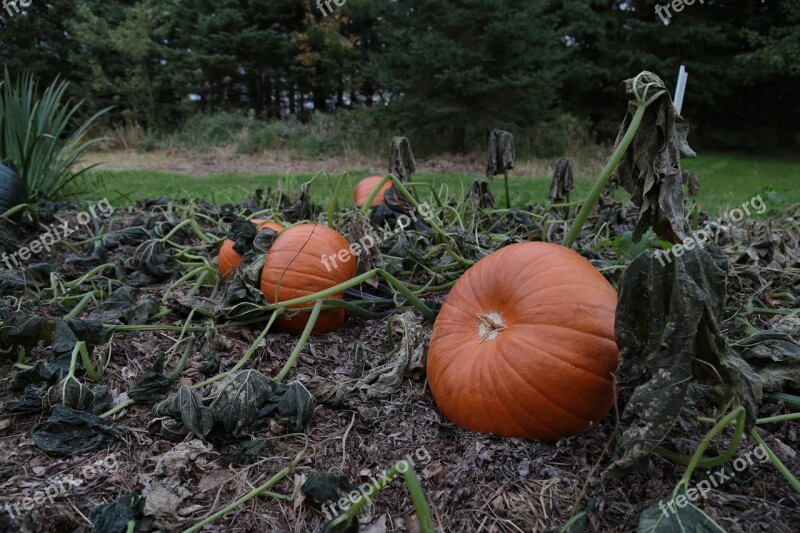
726,182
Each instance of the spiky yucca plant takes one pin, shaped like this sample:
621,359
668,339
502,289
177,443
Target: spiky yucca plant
40,134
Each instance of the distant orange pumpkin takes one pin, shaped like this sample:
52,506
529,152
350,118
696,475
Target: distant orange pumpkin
365,188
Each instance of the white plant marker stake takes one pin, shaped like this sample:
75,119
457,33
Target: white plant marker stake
680,90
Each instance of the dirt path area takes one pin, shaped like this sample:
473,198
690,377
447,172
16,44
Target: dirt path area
225,161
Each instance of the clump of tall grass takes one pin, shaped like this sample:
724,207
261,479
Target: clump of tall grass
202,131
41,135
331,134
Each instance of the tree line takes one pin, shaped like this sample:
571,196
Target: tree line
446,70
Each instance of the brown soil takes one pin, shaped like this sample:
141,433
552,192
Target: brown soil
474,482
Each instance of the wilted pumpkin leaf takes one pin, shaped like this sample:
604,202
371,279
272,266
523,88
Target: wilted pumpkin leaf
243,299
480,194
71,432
40,373
502,154
562,183
323,486
242,234
69,392
186,407
35,382
64,341
303,209
151,384
382,380
114,517
262,243
211,363
11,282
28,331
102,399
21,329
401,160
244,455
651,168
775,357
129,236
361,231
240,400
292,404
153,262
667,330
125,306
687,518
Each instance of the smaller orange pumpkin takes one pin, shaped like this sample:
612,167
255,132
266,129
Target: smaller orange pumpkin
229,259
365,188
303,260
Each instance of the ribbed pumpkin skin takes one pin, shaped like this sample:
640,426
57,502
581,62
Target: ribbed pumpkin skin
294,269
230,259
548,374
365,187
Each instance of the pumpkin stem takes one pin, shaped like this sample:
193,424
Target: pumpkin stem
490,327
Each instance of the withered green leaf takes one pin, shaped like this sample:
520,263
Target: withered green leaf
69,392
114,517
651,167
667,329
125,306
239,401
71,432
401,160
151,384
154,261
245,454
502,154
243,300
563,181
323,486
242,233
186,407
292,404
775,357
304,208
687,518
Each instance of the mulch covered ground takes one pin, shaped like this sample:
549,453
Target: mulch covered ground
361,427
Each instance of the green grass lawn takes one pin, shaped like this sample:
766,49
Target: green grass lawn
726,182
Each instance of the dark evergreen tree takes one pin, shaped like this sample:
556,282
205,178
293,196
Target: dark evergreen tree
457,70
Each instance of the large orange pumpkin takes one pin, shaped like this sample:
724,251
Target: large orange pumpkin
524,345
295,268
365,187
229,259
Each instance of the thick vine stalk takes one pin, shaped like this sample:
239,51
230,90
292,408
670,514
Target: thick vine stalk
642,102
